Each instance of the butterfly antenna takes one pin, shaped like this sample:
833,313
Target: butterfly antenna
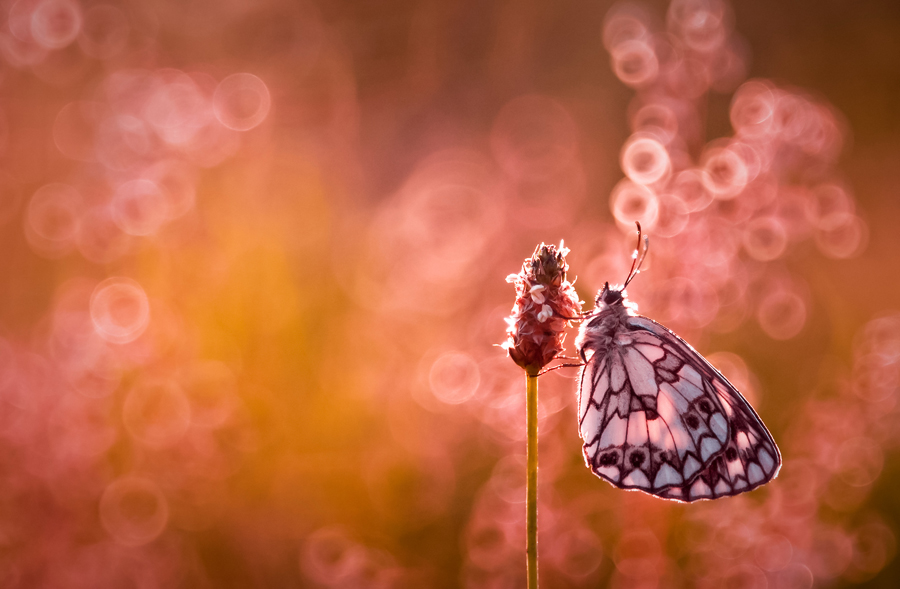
638,256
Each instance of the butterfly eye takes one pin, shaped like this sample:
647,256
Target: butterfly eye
612,297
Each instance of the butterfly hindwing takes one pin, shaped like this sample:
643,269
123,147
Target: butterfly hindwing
656,416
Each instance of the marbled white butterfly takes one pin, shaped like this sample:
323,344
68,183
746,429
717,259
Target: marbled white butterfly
656,416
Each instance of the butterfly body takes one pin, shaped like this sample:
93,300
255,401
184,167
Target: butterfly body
657,417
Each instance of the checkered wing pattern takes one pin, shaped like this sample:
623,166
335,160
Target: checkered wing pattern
656,416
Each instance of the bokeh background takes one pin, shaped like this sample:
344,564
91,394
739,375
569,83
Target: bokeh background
252,263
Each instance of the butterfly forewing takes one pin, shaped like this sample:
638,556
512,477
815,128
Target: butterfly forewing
656,416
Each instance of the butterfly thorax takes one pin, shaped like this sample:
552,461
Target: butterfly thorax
597,332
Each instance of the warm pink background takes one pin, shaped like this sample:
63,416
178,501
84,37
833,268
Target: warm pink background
252,262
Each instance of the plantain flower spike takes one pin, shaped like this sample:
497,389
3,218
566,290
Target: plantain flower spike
545,303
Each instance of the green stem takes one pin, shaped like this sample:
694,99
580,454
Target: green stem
531,425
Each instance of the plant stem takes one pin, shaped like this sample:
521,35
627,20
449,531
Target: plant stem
531,425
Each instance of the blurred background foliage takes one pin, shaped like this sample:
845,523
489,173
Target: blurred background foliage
252,279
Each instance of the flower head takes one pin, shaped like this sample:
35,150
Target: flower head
545,302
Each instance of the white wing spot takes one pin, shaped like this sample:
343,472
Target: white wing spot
614,434
667,391
652,353
617,371
687,389
735,470
743,441
690,467
637,428
636,478
674,492
687,371
659,434
610,472
766,460
729,410
719,426
670,415
700,489
591,424
708,447
722,487
667,476
601,389
640,373
754,473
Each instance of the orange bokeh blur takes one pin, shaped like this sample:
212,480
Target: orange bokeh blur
253,267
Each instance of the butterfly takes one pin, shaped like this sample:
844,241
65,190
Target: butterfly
656,416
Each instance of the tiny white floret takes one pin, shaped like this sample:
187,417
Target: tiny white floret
545,313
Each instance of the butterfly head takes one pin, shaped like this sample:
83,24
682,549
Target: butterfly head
609,297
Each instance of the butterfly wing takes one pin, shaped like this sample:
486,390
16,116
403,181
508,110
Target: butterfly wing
656,416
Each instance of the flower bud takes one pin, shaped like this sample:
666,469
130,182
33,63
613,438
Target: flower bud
545,302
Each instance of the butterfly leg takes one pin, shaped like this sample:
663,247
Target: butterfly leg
558,366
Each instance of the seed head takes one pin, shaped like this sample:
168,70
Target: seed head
545,302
